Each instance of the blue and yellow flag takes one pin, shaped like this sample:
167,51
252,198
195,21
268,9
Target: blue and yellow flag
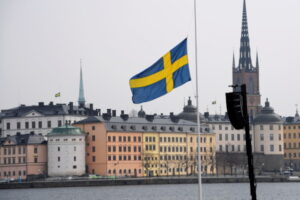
169,72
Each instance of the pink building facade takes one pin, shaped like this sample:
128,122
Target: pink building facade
23,156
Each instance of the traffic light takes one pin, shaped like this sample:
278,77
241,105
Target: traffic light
234,101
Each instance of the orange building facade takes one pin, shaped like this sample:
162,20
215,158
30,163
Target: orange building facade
145,146
22,156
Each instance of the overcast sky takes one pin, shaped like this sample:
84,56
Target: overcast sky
42,41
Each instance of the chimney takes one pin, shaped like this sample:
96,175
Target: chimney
122,112
71,106
150,118
114,113
41,104
51,103
125,117
109,112
106,116
206,114
91,106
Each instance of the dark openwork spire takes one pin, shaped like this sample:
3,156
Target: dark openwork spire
245,62
81,99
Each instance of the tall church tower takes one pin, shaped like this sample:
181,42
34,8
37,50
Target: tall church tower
81,99
245,72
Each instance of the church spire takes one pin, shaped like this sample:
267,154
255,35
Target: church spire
81,99
245,53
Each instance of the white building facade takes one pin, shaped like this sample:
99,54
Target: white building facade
66,151
41,118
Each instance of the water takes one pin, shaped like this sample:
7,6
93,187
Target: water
236,191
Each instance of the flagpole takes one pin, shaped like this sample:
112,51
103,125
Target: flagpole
197,104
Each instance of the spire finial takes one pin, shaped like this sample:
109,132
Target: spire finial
257,60
233,61
297,113
245,53
81,99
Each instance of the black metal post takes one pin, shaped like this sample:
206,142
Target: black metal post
248,144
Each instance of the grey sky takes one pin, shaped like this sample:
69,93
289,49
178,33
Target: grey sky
42,41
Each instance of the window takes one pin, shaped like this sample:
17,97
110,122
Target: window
220,137
261,137
35,150
271,136
109,139
18,125
129,139
261,127
93,128
94,149
59,123
94,158
120,149
74,158
220,148
238,137
40,124
232,137
58,159
74,166
8,126
93,138
114,148
120,138
124,138
279,136
49,124
280,148
27,125
272,147
226,137
262,148
134,138
35,159
140,139
271,127
58,148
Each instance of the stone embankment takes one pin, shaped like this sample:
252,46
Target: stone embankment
135,181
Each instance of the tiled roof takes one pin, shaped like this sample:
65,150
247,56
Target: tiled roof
24,139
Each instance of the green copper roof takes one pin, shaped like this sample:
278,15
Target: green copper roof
66,130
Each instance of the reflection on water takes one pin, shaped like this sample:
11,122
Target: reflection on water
237,191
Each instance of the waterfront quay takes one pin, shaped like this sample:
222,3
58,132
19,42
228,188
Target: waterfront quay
85,182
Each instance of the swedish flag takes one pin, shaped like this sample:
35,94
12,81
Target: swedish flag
169,72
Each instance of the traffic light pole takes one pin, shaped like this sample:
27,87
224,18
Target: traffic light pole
248,144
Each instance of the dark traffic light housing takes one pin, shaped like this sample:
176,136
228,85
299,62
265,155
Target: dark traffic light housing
234,101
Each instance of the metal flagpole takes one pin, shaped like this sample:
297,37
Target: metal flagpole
197,104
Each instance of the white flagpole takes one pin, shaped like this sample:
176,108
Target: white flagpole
197,104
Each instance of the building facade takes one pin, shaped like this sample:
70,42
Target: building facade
291,139
23,156
66,151
144,146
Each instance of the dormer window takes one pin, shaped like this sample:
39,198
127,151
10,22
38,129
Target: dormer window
145,128
180,128
132,127
171,128
123,127
154,128
192,129
163,128
113,127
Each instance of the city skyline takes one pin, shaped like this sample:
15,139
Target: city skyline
44,41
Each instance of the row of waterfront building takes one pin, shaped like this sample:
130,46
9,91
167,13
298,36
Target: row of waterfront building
145,145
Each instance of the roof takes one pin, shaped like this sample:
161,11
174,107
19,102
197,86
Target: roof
24,139
48,110
149,123
267,115
66,130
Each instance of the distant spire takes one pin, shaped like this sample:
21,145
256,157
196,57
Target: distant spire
257,61
233,61
297,114
245,53
81,99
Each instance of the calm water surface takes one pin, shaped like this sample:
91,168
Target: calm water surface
237,191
